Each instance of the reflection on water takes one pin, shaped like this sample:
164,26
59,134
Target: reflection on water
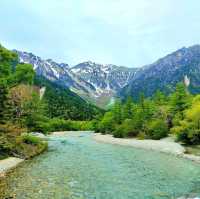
77,167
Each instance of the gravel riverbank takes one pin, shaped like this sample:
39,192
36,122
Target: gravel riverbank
167,145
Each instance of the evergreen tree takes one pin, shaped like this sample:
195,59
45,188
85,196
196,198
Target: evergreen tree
117,112
159,98
128,108
7,59
180,100
24,73
142,100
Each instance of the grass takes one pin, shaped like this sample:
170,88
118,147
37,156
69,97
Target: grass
22,145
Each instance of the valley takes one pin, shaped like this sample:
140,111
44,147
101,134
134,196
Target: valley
98,83
90,80
129,106
99,99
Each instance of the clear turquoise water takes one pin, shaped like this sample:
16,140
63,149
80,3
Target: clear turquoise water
77,167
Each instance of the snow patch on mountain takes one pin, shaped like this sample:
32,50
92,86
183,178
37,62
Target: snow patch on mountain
86,79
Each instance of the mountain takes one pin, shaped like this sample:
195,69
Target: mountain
164,74
63,103
95,82
101,83
53,71
105,80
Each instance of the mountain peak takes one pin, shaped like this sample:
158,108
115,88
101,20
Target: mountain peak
88,79
166,72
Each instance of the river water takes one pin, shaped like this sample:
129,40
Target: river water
77,167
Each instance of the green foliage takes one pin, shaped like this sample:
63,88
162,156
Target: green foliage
63,103
128,108
24,74
117,112
7,59
22,110
106,125
30,139
13,142
5,108
84,125
148,118
60,124
17,106
126,129
159,98
188,129
180,100
156,129
34,109
154,118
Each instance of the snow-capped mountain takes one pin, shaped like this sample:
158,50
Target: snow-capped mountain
96,82
181,65
104,78
100,82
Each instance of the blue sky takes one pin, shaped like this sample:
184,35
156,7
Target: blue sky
124,32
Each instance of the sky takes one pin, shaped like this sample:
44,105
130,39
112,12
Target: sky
131,33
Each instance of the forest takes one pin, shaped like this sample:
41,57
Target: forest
23,109
177,114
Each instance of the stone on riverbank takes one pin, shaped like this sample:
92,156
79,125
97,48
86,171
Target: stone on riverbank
8,164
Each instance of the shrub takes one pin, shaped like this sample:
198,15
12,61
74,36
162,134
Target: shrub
83,125
188,129
126,129
56,124
118,132
52,125
13,142
141,136
189,136
106,125
41,126
156,129
128,126
30,139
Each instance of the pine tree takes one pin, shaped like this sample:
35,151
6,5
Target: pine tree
180,99
128,108
142,101
117,112
7,58
159,98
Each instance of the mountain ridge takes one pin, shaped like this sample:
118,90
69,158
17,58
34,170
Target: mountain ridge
95,82
101,83
166,72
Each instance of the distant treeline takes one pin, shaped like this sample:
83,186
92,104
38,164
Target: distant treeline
156,117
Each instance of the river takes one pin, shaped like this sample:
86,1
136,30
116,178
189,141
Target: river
77,167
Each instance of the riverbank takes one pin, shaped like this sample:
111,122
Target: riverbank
167,145
59,173
9,163
31,146
73,133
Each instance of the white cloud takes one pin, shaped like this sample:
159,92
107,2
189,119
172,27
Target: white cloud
125,32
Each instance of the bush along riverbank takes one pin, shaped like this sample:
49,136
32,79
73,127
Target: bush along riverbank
154,118
17,144
33,104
